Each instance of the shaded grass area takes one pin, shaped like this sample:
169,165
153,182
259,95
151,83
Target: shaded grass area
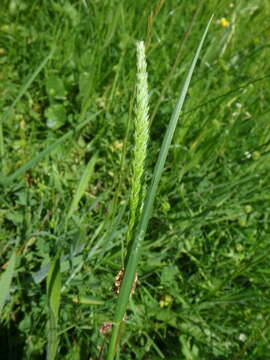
203,288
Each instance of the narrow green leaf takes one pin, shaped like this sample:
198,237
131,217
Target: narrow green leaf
5,281
20,95
54,285
54,294
31,163
82,185
87,300
26,86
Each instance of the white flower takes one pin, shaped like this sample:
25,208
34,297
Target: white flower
242,337
247,154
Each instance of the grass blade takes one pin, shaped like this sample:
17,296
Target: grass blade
53,293
82,185
20,95
5,281
31,163
133,256
26,86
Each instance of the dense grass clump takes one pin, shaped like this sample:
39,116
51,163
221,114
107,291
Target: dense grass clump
67,125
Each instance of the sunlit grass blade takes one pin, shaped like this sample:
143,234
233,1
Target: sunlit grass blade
130,270
87,300
82,185
5,280
31,163
20,95
26,86
54,294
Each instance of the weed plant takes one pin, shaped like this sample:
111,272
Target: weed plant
67,84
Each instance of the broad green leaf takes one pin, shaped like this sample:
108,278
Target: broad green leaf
56,88
56,116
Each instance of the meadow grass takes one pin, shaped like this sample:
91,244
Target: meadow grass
67,84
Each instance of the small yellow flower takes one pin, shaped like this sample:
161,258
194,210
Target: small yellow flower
224,22
118,145
165,301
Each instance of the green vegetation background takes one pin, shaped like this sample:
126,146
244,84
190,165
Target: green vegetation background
203,289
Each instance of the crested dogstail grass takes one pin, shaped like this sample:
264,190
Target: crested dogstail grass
141,138
135,250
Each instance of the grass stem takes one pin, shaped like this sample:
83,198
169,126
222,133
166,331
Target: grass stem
134,254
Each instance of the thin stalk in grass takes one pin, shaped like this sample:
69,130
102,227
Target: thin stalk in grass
141,136
113,208
88,172
53,297
177,60
133,255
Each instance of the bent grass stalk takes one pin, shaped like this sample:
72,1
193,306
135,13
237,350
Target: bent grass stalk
133,255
